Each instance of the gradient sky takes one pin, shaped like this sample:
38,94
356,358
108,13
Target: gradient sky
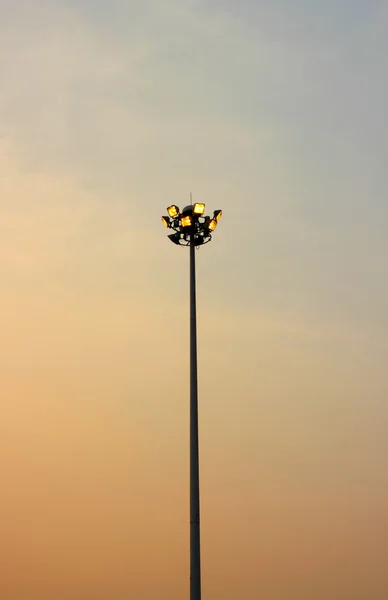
276,113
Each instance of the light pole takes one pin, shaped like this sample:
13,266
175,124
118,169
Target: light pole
192,228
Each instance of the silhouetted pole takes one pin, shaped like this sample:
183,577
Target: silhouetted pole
195,545
193,228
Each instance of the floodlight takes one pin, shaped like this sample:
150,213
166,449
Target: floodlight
187,221
175,237
199,208
173,211
212,224
191,226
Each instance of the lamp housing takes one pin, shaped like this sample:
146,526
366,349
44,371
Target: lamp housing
191,226
174,237
173,211
187,221
199,208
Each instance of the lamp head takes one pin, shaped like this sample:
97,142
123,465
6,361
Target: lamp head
175,237
212,224
199,209
187,216
191,226
173,211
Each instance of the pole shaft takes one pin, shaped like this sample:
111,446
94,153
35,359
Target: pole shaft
195,553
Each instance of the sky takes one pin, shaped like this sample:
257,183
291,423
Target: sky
274,112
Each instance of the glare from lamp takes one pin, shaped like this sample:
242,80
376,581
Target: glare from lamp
217,215
199,208
166,221
212,225
173,211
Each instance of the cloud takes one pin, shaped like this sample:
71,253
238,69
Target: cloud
138,105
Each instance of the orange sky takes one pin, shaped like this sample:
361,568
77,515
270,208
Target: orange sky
103,125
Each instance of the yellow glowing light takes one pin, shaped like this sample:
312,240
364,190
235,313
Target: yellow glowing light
186,221
166,221
199,208
217,215
173,211
212,225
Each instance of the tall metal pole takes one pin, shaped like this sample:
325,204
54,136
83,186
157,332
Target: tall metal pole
192,228
195,550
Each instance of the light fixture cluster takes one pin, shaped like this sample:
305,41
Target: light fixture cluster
191,226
